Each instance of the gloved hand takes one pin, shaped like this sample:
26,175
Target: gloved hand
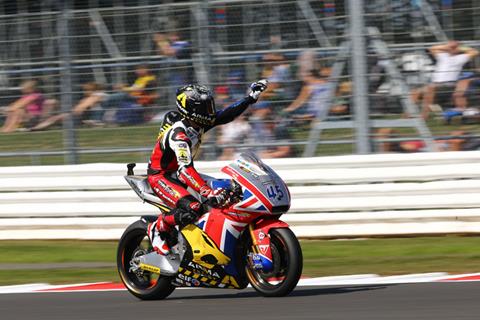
217,198
257,88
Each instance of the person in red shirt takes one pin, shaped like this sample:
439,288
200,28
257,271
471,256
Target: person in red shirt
171,170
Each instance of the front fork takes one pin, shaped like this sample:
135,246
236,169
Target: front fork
261,257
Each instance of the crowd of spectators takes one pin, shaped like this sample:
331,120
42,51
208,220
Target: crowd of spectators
300,91
123,105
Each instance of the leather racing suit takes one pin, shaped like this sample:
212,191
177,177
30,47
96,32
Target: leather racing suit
171,169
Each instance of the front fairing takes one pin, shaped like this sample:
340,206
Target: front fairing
263,189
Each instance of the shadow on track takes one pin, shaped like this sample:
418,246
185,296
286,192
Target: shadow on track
296,293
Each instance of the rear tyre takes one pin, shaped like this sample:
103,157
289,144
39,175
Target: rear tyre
287,266
142,284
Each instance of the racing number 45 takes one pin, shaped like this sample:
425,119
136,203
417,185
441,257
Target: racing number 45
275,192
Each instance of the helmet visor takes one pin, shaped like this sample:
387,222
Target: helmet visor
210,107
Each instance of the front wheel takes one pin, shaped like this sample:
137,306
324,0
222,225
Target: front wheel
144,285
287,266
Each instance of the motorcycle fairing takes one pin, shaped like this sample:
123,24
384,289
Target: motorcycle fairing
142,188
192,276
211,239
224,231
253,197
264,191
261,238
205,251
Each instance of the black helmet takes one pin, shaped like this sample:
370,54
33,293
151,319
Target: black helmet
196,103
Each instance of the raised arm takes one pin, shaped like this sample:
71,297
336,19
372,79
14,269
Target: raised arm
471,52
300,100
233,111
434,50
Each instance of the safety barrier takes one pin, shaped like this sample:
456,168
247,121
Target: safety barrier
346,196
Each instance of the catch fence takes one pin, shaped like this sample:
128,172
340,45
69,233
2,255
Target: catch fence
302,47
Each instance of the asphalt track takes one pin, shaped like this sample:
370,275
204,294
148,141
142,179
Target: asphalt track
443,301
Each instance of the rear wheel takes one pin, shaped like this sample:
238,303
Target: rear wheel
287,266
144,285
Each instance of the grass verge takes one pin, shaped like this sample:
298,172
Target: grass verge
145,135
321,258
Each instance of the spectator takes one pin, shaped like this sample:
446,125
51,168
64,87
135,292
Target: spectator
470,143
236,84
174,49
260,112
88,110
466,89
313,99
131,102
279,133
456,141
306,62
397,146
450,60
27,110
277,72
170,45
266,128
341,103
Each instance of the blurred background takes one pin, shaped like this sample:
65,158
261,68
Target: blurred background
90,81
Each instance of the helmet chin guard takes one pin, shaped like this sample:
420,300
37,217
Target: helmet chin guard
196,103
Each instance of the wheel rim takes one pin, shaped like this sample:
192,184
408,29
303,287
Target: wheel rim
140,280
275,278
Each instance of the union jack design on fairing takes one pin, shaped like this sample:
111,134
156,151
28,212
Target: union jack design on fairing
221,229
251,203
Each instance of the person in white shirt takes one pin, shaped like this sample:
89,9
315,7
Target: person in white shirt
451,58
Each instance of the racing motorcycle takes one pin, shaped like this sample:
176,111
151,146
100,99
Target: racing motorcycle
228,247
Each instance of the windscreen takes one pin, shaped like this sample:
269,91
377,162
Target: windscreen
260,181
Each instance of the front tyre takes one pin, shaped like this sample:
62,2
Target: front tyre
287,266
142,284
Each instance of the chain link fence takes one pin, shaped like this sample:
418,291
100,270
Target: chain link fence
90,81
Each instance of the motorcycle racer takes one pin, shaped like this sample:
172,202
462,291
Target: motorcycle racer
171,169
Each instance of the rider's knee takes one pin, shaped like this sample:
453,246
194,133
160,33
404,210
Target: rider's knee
188,210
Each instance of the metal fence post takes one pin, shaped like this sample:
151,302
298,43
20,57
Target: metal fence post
316,128
205,62
69,139
429,15
359,71
312,20
205,59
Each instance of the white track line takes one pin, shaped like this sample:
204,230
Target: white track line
359,279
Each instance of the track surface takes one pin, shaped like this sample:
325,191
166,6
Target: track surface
444,301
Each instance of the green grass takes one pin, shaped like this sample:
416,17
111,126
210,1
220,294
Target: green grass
45,251
144,136
392,256
321,258
116,137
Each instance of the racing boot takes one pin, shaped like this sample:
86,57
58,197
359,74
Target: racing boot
162,234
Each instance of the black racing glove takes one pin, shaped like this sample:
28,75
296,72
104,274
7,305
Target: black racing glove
257,88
